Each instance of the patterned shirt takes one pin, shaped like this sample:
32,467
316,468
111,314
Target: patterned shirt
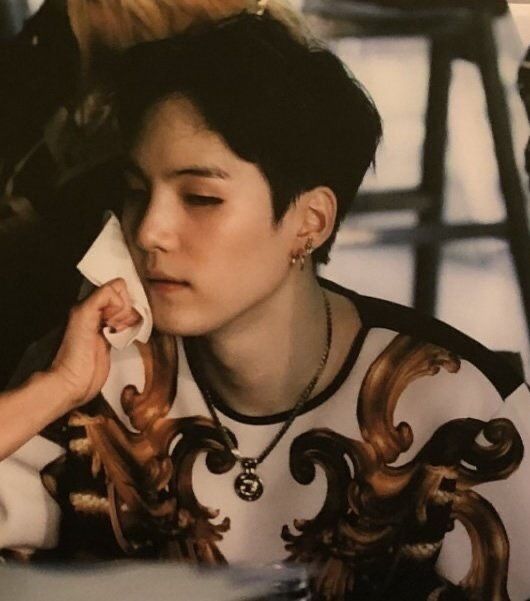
406,478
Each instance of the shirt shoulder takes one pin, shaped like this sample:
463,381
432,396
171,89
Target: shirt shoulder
379,313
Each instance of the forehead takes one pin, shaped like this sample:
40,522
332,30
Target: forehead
174,110
173,130
174,140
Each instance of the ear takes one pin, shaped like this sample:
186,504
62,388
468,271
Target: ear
317,211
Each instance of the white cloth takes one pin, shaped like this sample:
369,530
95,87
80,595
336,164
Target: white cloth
29,517
109,258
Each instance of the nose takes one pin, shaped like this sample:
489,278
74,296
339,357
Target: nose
159,226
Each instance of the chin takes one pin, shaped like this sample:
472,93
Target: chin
190,325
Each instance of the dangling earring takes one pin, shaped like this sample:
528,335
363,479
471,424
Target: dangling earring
308,249
301,255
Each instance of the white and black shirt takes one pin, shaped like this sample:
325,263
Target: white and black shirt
405,476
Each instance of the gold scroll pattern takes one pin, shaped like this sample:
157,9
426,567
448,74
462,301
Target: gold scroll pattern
150,500
377,517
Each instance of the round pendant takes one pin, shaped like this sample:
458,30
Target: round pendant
248,484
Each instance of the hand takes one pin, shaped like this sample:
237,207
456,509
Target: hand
82,362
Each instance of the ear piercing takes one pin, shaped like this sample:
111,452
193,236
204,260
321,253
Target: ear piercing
302,254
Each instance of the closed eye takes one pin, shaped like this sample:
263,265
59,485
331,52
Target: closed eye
202,199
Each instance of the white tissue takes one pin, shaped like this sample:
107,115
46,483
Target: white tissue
109,258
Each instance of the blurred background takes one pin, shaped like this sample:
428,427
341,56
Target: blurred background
473,182
478,289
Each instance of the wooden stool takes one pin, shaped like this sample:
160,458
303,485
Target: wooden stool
457,28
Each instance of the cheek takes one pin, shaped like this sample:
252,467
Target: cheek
248,235
250,241
250,258
130,218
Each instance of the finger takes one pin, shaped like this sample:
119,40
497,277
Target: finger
120,286
127,314
124,320
116,315
91,310
127,323
113,313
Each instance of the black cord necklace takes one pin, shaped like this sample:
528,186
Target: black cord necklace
248,484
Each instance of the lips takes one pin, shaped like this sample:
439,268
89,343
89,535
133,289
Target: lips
162,282
167,281
160,276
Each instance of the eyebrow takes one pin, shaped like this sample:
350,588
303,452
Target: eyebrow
194,170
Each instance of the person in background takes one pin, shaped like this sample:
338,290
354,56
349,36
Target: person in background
57,146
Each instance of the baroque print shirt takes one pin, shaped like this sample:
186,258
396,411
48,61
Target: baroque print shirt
406,478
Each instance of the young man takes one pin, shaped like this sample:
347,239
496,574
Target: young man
273,415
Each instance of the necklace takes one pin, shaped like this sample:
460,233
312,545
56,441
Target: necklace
248,484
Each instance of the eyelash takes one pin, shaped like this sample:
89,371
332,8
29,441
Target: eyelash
139,195
202,199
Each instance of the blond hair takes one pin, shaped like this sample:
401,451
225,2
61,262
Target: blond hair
114,25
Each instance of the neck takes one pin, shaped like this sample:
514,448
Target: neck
260,363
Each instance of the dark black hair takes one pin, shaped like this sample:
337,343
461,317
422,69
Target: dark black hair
289,106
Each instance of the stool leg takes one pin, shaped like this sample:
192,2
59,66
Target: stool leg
427,256
513,191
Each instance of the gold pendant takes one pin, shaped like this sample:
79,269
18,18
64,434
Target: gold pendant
248,485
